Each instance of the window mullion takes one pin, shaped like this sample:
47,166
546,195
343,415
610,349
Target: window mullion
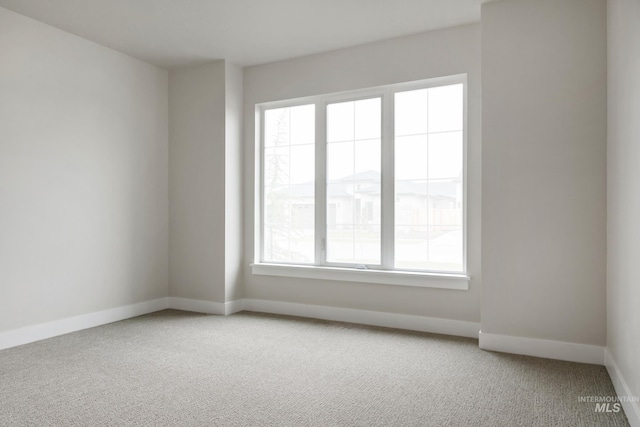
259,188
388,183
321,184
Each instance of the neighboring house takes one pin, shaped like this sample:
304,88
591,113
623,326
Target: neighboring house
354,201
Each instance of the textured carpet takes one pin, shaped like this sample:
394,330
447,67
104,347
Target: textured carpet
182,369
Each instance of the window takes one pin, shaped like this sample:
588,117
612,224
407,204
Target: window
289,184
354,179
365,181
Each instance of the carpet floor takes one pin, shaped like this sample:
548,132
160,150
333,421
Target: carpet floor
175,368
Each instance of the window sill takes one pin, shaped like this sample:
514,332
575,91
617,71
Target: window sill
386,277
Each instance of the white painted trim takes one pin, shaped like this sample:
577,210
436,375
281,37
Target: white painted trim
384,277
207,307
365,317
54,328
388,184
560,350
233,307
631,409
366,92
197,306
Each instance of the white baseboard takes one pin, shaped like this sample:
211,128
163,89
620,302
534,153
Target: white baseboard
233,306
43,331
207,307
631,409
197,306
365,317
509,344
559,350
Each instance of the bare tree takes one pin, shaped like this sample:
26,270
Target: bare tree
277,180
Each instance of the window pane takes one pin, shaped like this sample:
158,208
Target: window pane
277,205
445,155
276,127
342,160
429,179
445,108
341,121
367,119
276,242
289,185
303,130
302,164
411,154
367,244
366,156
411,112
445,248
412,244
354,182
276,166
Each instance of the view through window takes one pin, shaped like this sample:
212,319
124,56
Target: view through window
323,179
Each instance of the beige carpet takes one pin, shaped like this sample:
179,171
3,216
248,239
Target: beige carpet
182,369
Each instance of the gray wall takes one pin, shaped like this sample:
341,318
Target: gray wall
233,198
83,176
196,182
205,175
623,178
544,169
433,54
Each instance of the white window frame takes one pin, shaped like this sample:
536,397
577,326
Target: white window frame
321,269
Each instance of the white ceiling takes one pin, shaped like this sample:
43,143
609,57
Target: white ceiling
172,33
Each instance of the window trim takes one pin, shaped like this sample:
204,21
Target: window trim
385,277
321,269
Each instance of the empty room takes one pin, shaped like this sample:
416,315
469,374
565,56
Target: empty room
319,213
